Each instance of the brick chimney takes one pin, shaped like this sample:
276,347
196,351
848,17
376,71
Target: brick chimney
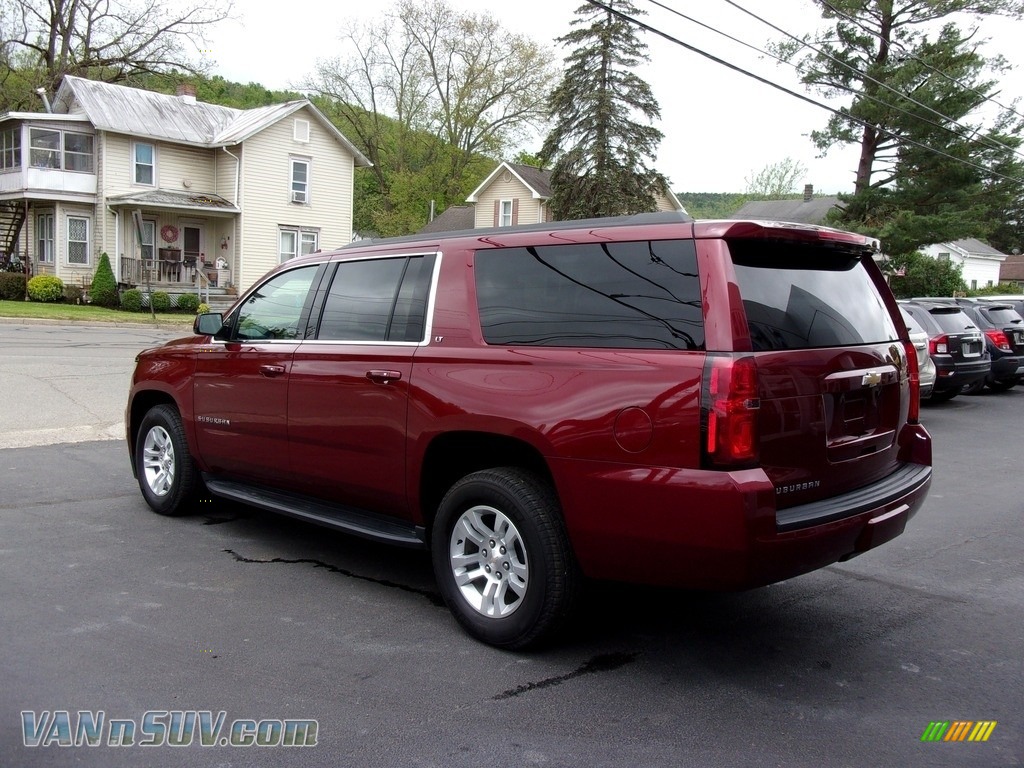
808,192
187,93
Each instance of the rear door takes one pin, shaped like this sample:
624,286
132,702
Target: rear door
349,387
831,369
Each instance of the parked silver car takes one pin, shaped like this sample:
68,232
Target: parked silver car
925,364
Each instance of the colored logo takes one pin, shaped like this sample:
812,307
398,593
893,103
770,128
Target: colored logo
958,730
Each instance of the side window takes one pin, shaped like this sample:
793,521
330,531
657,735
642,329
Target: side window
638,295
273,310
377,300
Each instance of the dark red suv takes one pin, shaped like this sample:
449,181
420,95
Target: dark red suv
703,404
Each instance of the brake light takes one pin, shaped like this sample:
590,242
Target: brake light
938,345
999,339
914,377
729,409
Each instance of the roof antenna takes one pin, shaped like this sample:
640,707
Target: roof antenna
46,101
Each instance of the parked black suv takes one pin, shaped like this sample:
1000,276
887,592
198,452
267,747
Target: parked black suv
1004,336
956,346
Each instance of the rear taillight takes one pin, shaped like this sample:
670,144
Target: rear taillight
938,345
914,377
998,338
729,408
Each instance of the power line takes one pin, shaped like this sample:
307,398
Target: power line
802,97
866,76
779,59
897,44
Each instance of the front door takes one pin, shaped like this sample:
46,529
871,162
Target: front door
193,241
241,382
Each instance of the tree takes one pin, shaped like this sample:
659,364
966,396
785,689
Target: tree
430,94
103,291
101,39
599,150
776,180
915,274
929,169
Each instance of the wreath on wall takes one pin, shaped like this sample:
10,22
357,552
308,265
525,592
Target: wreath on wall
169,233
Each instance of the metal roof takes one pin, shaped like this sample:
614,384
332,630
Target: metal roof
206,202
179,119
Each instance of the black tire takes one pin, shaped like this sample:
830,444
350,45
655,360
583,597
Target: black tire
527,580
167,476
1001,385
974,388
941,396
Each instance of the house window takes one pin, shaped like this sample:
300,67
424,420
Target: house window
44,238
943,257
44,148
78,152
300,181
10,149
974,285
505,214
300,131
297,242
78,240
144,161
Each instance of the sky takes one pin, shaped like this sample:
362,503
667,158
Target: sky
720,127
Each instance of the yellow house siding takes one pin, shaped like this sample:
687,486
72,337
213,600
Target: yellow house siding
530,209
266,193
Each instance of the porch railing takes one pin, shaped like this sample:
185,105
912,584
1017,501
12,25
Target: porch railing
163,271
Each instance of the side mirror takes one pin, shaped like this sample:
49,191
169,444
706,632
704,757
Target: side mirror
208,324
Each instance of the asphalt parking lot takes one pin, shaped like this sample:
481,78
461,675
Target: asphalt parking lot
109,608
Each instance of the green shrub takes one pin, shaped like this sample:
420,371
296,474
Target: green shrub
188,302
12,286
131,300
72,294
161,301
203,308
104,288
45,288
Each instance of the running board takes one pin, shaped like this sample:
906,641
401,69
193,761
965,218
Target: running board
389,530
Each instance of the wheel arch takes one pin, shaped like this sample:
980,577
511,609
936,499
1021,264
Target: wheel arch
142,403
454,455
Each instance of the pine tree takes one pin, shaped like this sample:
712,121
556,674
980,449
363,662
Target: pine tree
599,149
103,291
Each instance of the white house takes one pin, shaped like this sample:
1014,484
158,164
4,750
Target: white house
980,262
210,186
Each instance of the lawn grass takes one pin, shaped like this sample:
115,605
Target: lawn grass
86,313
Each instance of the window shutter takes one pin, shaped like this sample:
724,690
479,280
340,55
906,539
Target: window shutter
497,211
515,211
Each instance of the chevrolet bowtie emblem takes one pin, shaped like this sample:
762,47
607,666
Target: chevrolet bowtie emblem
871,379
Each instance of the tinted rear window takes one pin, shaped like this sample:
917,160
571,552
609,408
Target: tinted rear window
952,320
798,297
639,295
1003,317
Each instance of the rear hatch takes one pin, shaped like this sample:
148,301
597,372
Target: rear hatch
832,371
1005,318
963,339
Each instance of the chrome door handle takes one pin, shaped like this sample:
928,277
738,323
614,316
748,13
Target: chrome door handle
383,377
270,371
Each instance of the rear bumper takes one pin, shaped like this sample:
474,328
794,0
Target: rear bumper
720,530
950,375
1006,367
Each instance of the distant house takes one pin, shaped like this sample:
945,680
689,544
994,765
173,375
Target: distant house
1012,270
242,190
805,210
514,194
980,263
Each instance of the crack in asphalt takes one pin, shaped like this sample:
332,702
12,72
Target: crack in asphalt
606,662
433,597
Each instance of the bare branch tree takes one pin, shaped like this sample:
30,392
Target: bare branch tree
106,39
